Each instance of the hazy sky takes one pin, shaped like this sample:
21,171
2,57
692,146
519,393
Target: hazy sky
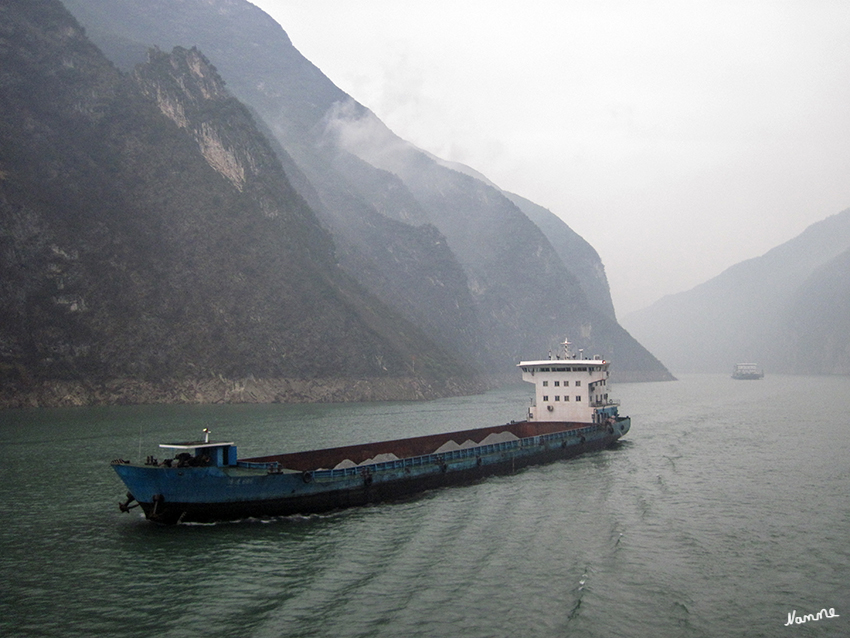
677,137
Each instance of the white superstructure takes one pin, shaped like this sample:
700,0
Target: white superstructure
569,388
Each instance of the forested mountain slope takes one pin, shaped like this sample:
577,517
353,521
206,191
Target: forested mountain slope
152,248
449,251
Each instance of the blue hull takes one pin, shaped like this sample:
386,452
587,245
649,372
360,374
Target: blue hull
260,488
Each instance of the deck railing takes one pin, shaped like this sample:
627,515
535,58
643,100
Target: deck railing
604,403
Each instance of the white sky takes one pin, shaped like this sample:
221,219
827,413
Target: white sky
677,137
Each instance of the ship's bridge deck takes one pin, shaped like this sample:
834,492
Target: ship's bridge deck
562,363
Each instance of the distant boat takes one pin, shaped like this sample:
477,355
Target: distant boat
747,371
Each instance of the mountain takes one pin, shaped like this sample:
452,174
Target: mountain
776,309
817,321
452,253
152,247
580,258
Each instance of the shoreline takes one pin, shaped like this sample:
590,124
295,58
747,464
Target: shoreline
221,390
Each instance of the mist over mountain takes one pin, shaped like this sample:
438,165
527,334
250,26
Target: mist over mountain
450,252
580,257
787,310
153,249
817,321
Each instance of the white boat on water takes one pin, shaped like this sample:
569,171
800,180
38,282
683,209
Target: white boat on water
747,371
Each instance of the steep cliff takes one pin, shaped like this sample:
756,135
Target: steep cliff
580,258
500,292
152,248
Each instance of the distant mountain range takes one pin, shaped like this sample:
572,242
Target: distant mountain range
788,310
169,238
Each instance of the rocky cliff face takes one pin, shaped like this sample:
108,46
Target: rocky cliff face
150,242
449,251
580,258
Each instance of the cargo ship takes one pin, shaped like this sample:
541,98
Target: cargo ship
571,413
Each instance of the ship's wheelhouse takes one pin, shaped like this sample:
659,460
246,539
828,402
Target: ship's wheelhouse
569,389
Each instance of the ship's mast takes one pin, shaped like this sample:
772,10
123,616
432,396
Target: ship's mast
567,352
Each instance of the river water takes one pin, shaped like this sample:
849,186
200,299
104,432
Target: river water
725,509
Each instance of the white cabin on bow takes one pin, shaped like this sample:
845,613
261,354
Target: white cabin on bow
569,388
